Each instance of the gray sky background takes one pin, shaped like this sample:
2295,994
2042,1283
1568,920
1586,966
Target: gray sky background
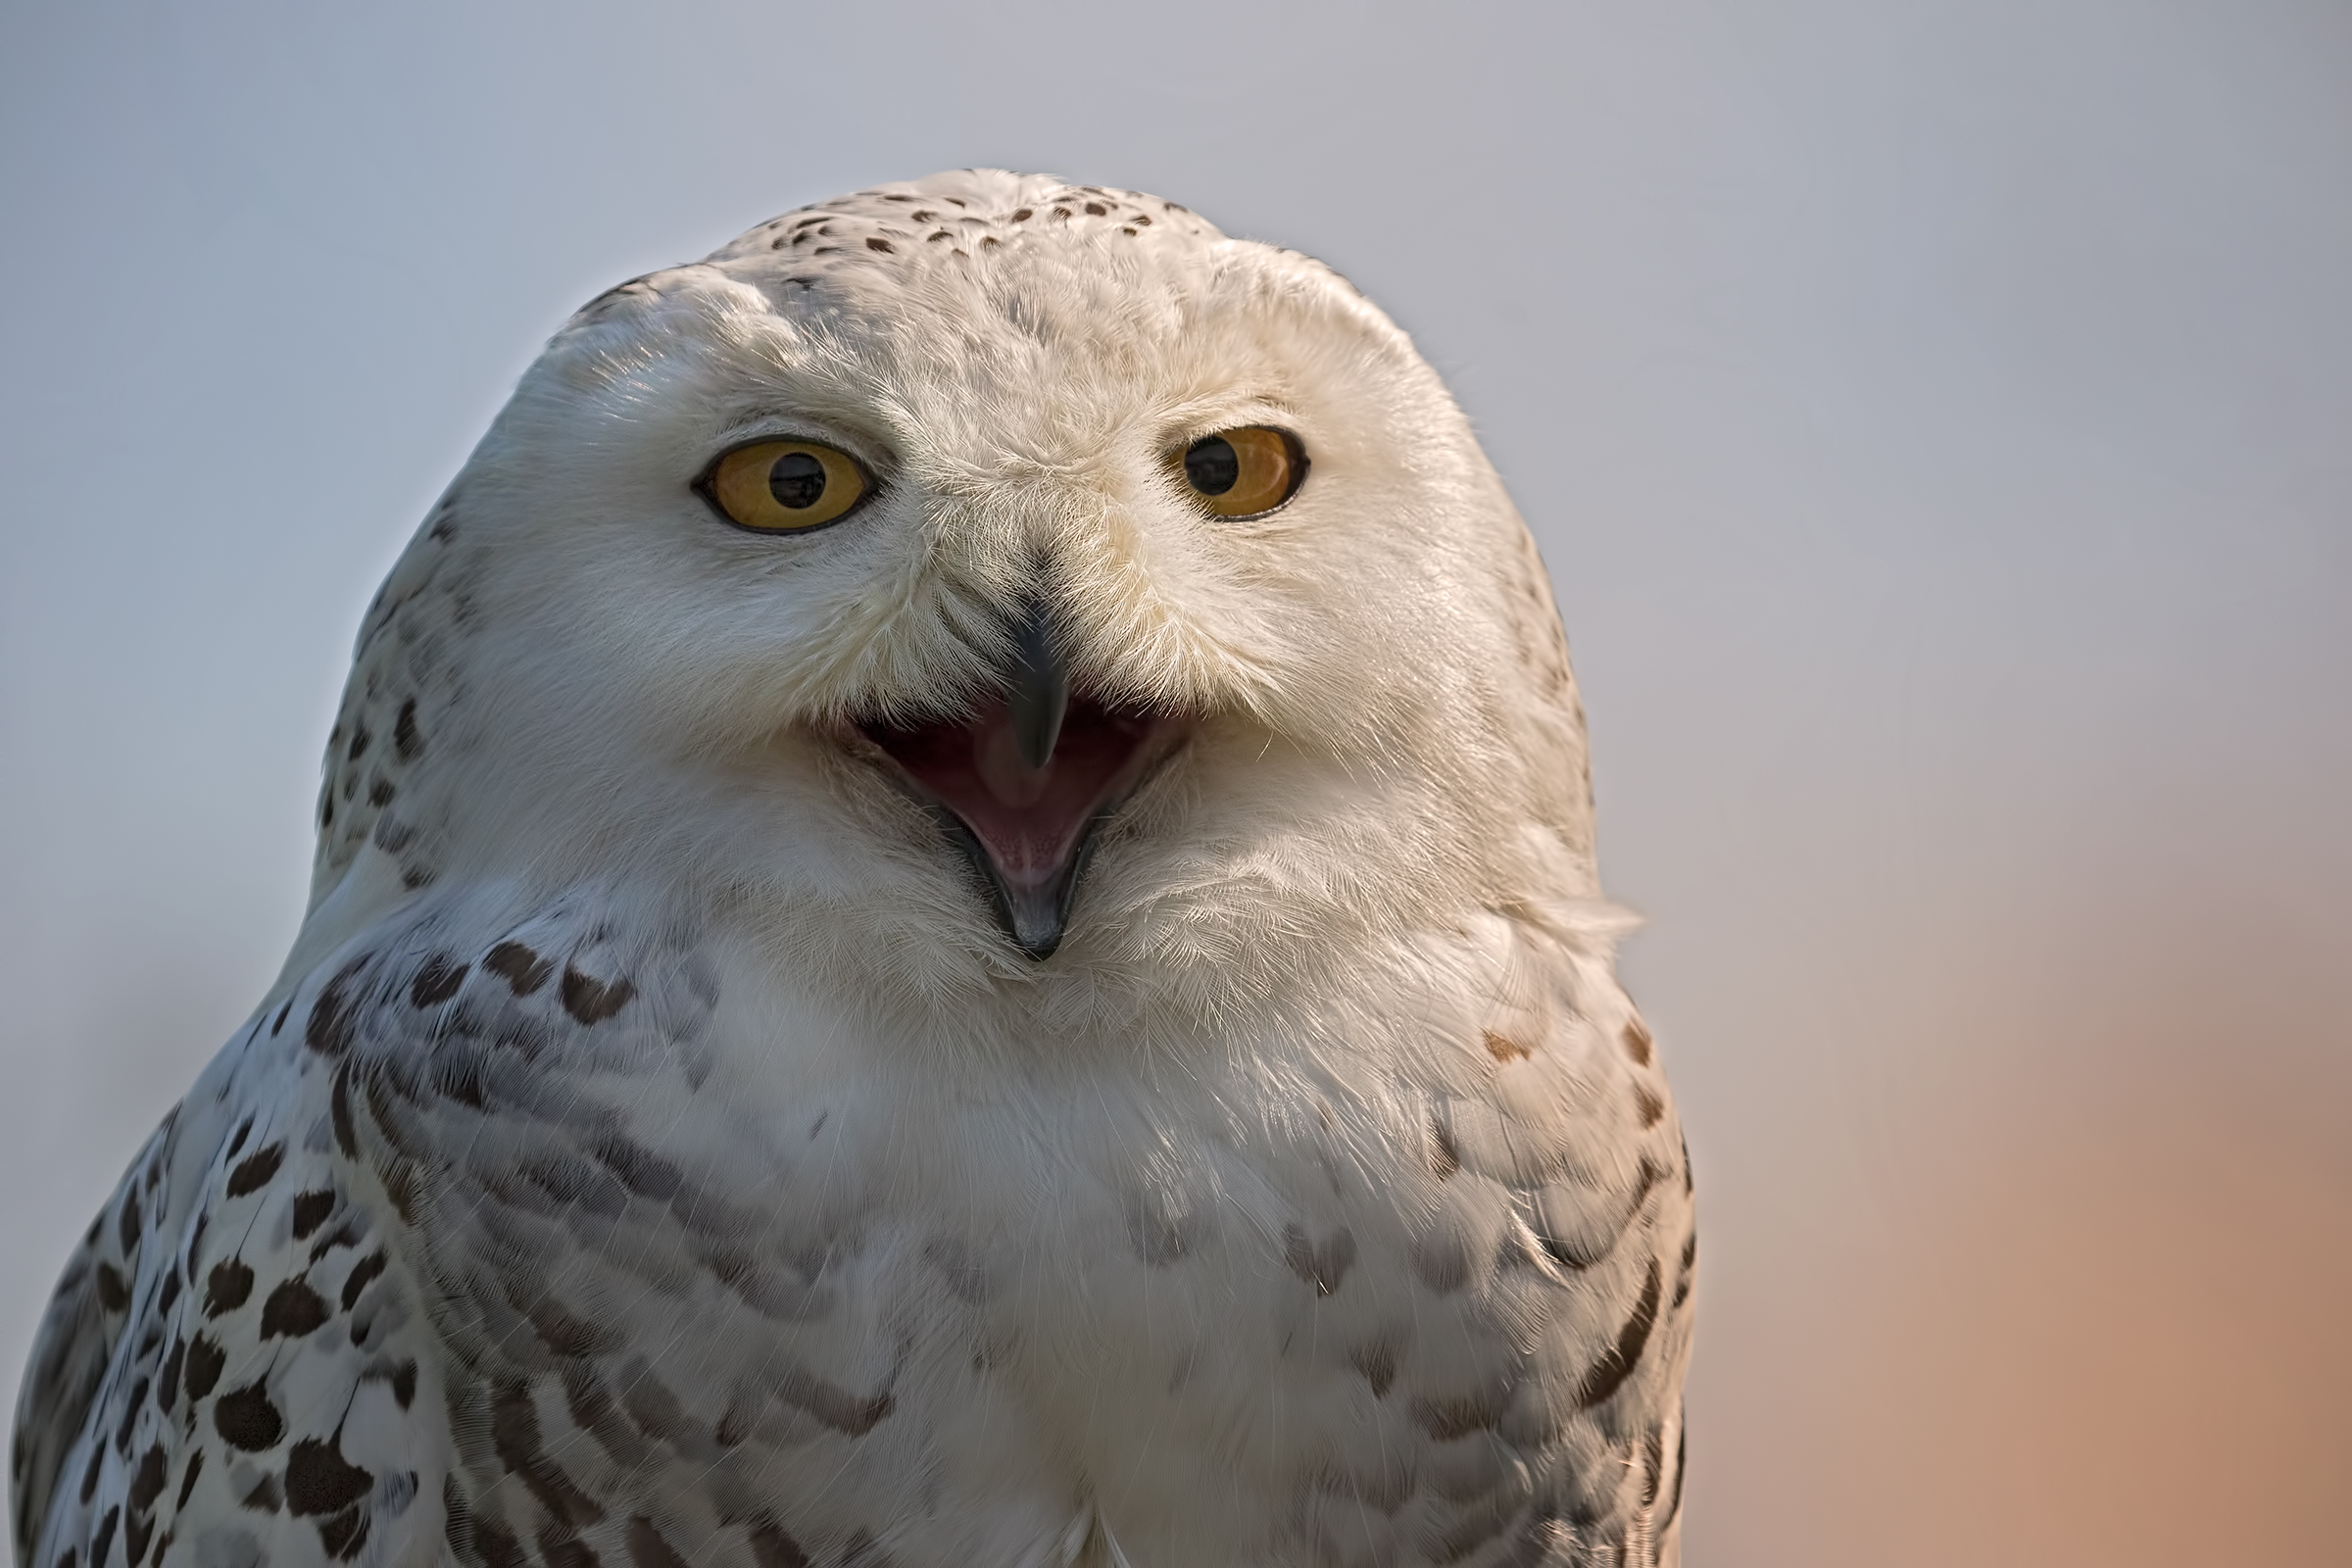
1938,417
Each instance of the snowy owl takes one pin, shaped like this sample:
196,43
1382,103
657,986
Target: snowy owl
954,925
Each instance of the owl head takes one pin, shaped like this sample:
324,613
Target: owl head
979,585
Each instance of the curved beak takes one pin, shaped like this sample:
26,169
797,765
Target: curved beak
1041,686
1022,784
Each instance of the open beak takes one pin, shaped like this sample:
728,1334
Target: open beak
1023,784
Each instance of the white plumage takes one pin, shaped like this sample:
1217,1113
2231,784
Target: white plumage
1062,1017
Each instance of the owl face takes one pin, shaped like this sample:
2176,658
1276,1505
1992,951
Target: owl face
1005,569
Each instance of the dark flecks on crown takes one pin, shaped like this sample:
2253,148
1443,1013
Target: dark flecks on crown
865,226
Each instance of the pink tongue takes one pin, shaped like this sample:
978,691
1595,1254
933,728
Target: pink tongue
1028,819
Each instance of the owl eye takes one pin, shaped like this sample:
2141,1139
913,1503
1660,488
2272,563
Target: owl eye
1246,473
785,486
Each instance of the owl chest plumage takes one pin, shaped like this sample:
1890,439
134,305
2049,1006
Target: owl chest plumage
572,1238
697,1253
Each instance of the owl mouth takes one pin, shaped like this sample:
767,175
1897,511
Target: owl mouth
1023,792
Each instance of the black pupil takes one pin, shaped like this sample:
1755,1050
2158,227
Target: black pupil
798,480
1213,465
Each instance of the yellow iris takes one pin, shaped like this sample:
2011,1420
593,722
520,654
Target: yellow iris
786,487
1244,473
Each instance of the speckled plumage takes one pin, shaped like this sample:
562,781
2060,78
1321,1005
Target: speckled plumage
656,1153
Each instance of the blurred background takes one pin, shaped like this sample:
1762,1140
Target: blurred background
1936,416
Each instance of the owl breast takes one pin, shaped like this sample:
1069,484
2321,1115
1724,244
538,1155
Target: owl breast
752,1272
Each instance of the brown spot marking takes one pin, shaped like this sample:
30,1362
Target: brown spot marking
361,1274
126,1223
833,1405
735,1425
1634,1037
1461,1415
475,1538
568,1335
206,1361
1097,209
310,1210
874,242
227,1287
359,743
1503,1048
1377,1362
522,970
436,982
592,1002
246,1419
320,1481
1647,1102
147,1483
1324,1266
406,737
771,1548
404,1384
1024,215
345,1533
380,792
1160,1239
1608,1374
640,1169
187,1480
113,1295
348,1233
104,1542
515,1435
589,1400
293,1310
253,1171
333,1017
647,1548
90,1472
1444,1158
338,1107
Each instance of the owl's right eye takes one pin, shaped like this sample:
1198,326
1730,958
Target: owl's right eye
784,486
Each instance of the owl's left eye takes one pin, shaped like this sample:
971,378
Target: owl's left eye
1246,473
784,486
